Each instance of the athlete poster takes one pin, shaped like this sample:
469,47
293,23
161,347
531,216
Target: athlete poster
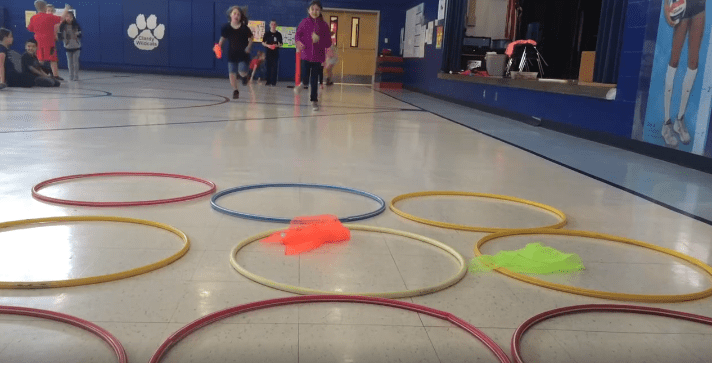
674,110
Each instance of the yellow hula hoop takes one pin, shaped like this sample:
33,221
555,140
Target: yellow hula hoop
95,279
596,293
357,227
462,227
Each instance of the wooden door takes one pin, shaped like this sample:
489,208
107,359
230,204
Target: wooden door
357,42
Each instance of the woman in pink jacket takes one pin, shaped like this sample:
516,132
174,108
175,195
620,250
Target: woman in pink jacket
312,38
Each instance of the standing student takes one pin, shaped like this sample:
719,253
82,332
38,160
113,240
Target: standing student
272,40
71,34
312,38
44,27
240,39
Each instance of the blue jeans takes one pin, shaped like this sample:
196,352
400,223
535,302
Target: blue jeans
235,67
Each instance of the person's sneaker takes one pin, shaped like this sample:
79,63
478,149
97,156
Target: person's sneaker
58,78
245,80
236,94
668,136
679,126
315,106
296,89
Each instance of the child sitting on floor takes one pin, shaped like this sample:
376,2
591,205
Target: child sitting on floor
31,66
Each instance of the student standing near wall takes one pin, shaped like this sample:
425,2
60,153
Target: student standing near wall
272,40
312,38
71,34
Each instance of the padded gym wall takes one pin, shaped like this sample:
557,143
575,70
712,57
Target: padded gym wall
191,29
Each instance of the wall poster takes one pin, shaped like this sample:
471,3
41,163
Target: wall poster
673,105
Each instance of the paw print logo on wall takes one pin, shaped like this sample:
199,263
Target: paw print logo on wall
146,34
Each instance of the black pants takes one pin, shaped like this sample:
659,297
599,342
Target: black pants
312,71
272,68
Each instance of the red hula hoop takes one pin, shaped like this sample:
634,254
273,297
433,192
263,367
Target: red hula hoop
46,183
75,321
225,313
516,341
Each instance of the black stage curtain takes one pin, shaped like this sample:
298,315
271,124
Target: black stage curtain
453,34
610,40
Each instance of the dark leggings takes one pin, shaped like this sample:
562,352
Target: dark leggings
311,71
272,63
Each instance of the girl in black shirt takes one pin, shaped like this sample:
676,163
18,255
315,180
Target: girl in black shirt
240,39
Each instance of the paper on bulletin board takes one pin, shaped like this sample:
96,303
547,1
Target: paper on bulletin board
429,33
441,9
439,37
29,14
288,34
258,29
414,37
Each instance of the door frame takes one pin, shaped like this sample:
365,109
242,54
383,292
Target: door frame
378,28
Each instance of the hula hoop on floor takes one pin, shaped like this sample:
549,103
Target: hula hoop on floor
357,227
222,314
346,219
463,227
596,293
516,340
41,185
102,278
75,321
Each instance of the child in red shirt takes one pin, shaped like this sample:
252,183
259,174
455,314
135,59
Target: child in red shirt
45,27
257,63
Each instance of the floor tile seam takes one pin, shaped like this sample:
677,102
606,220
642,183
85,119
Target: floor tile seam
428,336
568,353
597,178
2,349
282,323
405,285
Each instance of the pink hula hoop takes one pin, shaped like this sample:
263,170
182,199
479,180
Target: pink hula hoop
46,183
225,313
75,321
516,341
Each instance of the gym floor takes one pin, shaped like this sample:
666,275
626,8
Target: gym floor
384,142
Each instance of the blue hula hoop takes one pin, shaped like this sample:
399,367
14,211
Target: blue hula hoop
352,218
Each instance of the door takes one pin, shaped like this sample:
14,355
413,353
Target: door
357,42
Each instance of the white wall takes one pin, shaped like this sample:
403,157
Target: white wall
490,19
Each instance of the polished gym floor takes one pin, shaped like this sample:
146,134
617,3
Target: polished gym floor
384,142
